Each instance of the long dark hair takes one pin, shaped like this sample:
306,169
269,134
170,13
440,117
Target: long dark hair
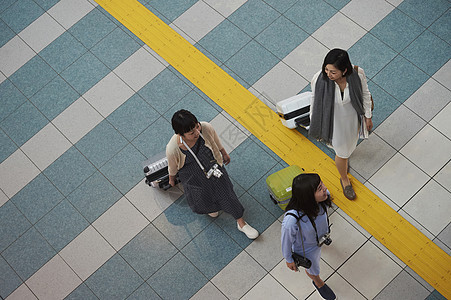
340,59
303,195
183,121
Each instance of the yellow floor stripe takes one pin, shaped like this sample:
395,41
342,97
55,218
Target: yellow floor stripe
373,214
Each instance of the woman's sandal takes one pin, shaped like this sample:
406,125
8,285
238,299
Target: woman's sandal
348,191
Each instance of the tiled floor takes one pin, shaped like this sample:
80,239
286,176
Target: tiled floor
84,103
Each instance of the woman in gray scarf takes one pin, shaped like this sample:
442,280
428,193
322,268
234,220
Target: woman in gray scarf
340,103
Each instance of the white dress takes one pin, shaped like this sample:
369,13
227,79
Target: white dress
346,121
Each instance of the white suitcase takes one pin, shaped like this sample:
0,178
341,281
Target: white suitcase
295,111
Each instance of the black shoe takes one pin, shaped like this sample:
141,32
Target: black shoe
325,292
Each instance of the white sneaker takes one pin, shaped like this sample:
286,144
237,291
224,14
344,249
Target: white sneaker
214,214
248,230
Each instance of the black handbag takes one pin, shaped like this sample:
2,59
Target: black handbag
299,260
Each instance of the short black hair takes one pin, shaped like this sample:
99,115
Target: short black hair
303,195
183,121
340,59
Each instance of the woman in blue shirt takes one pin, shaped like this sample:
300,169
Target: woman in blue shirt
309,202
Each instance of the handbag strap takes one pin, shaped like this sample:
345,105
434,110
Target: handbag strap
191,151
300,230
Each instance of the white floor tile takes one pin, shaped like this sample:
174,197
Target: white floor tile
307,58
108,94
140,68
41,32
157,56
198,20
415,223
2,77
369,270
429,149
69,12
444,176
443,75
22,293
16,172
87,252
13,55
442,121
151,202
46,146
345,241
339,23
182,34
437,97
382,196
367,13
77,120
353,223
120,223
225,7
231,135
266,249
399,179
268,288
55,280
239,276
387,252
208,292
431,207
298,283
279,83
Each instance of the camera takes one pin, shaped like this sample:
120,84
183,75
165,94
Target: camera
215,171
325,239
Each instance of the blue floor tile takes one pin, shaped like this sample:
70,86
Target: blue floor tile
115,48
338,4
132,117
371,55
408,78
310,14
37,198
46,4
148,251
9,280
180,224
23,123
32,76
195,104
281,37
62,52
114,280
254,16
384,104
165,90
13,224
171,10
81,292
124,170
252,62
69,171
280,5
211,250
397,30
425,12
436,56
101,143
28,254
84,73
244,155
144,292
5,4
94,196
442,28
55,97
154,139
92,28
21,14
224,40
6,33
10,98
61,225
192,281
7,146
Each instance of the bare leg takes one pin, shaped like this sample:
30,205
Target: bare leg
316,279
241,222
342,167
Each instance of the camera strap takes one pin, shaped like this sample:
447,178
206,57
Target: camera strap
191,151
300,230
314,225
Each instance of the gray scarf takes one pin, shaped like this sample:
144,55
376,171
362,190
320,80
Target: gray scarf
322,122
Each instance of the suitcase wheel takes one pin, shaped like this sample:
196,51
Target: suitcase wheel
273,200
